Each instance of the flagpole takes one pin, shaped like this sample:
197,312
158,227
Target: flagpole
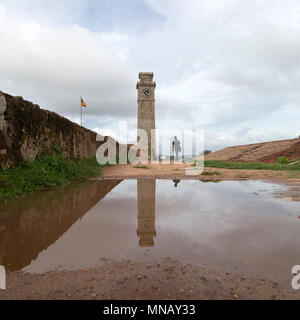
80,112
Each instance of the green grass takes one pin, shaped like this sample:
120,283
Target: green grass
46,171
283,160
141,167
210,173
250,165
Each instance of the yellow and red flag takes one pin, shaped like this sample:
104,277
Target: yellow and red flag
83,104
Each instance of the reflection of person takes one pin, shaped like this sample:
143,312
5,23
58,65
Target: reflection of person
176,147
176,181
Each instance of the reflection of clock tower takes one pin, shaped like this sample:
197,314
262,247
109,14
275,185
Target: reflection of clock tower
146,106
146,211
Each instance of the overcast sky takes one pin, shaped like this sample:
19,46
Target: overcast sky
229,67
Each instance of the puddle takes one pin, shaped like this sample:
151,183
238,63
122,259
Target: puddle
240,225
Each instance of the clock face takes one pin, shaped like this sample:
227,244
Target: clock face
146,92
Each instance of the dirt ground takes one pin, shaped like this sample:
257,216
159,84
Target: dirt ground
177,171
129,280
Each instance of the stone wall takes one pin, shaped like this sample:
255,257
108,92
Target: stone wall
26,130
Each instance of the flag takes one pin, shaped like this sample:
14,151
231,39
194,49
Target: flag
83,104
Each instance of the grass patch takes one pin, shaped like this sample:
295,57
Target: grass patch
45,171
210,173
141,167
251,165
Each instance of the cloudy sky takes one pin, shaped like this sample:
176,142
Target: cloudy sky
229,67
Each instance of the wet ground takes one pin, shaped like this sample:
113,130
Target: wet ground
243,234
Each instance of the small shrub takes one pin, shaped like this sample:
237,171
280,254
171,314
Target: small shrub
283,160
57,150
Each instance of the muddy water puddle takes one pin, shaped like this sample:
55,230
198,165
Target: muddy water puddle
244,225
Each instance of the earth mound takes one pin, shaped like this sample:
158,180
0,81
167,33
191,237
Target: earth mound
259,152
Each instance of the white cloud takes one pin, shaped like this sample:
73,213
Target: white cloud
229,64
54,66
230,67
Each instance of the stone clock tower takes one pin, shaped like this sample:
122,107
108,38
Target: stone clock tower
146,107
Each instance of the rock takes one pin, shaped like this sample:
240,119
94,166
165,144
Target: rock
122,281
58,291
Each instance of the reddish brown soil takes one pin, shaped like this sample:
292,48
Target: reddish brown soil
259,152
292,152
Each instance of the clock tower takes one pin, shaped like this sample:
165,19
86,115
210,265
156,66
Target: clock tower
146,108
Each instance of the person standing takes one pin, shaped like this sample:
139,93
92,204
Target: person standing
176,148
